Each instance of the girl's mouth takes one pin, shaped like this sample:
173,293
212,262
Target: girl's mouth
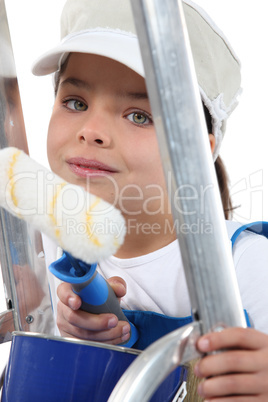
89,168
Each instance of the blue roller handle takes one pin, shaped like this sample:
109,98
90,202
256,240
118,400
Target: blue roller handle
96,294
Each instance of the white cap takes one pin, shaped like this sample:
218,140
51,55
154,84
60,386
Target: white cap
107,28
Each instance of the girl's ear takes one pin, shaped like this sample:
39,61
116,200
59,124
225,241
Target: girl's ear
212,142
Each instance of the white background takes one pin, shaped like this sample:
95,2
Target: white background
34,27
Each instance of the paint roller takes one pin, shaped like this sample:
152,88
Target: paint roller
86,227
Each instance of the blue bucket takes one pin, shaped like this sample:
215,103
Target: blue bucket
48,369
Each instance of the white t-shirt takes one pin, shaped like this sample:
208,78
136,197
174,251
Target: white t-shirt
156,281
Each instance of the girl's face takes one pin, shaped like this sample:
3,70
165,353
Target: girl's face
101,135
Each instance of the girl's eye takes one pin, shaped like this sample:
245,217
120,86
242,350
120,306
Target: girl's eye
139,118
75,104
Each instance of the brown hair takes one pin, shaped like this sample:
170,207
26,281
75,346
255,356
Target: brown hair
223,181
222,176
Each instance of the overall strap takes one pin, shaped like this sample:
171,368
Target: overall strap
259,227
152,326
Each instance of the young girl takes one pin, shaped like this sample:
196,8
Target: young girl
101,136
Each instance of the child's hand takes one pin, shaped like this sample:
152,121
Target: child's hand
238,374
76,323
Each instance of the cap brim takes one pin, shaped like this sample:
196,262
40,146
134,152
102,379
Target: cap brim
123,48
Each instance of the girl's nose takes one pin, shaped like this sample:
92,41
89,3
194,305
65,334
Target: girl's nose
95,131
85,138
